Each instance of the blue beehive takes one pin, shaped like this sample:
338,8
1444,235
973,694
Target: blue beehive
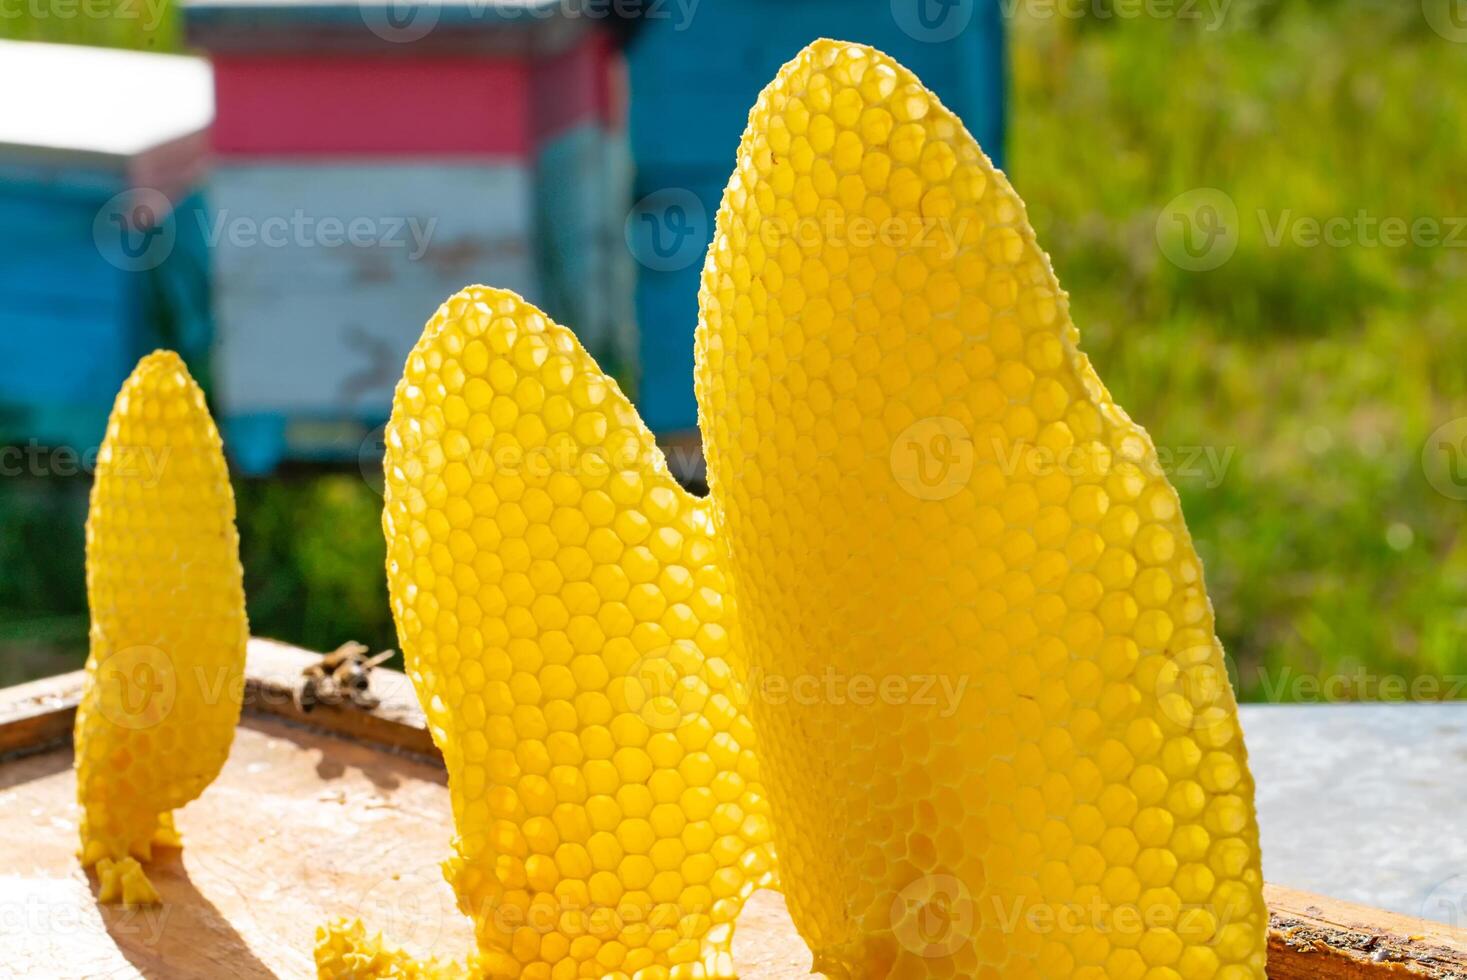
102,258
695,71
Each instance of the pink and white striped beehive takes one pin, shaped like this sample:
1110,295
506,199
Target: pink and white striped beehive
371,161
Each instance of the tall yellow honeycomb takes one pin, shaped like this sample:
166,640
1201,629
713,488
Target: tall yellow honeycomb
566,625
165,674
1018,754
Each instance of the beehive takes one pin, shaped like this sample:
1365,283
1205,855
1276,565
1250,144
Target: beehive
703,66
466,142
102,257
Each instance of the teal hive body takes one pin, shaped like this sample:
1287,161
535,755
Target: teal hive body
694,71
85,289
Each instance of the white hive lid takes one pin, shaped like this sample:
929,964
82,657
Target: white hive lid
99,106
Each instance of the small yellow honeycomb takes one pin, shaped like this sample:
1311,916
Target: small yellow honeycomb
165,675
564,618
1018,755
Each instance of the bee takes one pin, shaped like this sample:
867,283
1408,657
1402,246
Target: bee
342,676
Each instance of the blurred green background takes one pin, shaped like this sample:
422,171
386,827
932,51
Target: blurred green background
1295,385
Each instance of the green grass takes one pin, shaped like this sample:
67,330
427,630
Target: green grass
145,25
1315,372
1322,369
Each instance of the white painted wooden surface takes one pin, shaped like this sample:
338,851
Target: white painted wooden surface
1366,803
309,324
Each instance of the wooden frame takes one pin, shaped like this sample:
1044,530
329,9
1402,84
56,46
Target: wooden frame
1310,938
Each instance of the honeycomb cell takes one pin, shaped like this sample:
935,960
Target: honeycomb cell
974,529
609,816
164,676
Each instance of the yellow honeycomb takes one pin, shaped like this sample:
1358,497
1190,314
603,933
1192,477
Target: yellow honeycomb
564,618
165,674
1017,754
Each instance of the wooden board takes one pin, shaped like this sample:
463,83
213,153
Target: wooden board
300,826
343,811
